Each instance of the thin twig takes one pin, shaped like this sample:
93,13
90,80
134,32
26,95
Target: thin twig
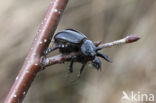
63,58
32,63
129,39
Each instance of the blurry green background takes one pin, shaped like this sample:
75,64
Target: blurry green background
133,67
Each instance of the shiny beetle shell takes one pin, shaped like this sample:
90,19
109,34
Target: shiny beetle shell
69,35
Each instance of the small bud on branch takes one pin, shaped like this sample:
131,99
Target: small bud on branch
132,38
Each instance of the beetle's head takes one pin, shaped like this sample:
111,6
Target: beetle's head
96,63
88,48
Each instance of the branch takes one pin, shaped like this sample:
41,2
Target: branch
32,64
129,39
63,58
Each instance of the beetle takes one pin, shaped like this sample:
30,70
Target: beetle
70,40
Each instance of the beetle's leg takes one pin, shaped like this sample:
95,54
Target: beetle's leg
104,57
81,70
71,64
96,62
64,45
52,49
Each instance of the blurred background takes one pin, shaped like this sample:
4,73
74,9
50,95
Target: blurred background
133,67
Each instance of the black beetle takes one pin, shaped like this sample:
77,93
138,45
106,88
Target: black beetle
70,40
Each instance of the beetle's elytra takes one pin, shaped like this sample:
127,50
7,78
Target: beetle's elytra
70,40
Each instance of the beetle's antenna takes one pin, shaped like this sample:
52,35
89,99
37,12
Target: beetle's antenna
98,48
104,57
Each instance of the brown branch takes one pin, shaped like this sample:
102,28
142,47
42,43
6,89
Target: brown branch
63,58
32,63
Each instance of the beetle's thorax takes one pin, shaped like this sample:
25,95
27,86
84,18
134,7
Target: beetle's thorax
88,48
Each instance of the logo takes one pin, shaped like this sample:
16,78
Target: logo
137,96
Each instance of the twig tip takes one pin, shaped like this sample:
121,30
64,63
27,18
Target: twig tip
97,43
132,38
